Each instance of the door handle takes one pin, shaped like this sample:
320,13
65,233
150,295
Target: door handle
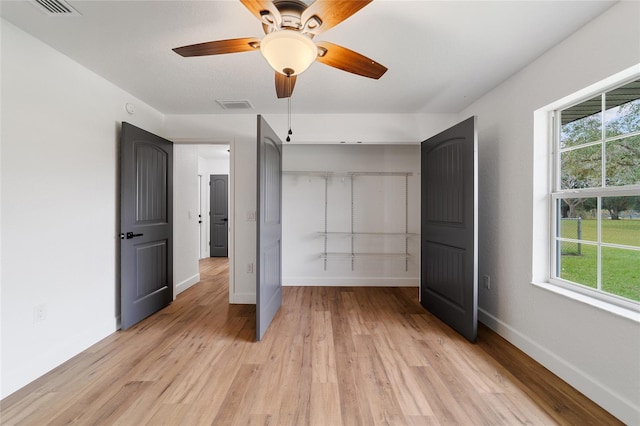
225,219
132,235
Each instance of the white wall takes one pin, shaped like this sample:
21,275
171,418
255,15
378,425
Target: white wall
213,166
367,128
186,205
379,206
60,131
595,351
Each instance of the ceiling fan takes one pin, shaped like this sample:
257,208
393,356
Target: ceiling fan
289,26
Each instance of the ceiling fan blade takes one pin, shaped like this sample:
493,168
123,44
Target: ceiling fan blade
285,85
332,12
219,47
348,60
258,8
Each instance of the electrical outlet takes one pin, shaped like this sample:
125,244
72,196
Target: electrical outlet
486,282
40,313
249,268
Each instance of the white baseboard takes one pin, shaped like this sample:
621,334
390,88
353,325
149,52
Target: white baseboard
350,282
39,363
180,287
250,298
620,407
242,298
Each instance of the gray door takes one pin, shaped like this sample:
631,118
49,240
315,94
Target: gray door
449,211
146,224
269,228
218,216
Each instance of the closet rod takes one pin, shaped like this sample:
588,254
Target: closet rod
327,174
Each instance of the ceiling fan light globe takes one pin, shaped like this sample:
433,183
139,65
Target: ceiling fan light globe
288,50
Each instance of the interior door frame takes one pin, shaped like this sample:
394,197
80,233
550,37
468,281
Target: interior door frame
231,206
200,218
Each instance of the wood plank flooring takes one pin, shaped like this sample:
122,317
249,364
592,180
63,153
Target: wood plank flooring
333,356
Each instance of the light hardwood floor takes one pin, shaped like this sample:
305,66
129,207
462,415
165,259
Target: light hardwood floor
333,356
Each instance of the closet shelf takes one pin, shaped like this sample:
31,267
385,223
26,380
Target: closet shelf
343,174
355,234
348,256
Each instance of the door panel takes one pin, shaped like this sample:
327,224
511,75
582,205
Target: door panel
146,213
151,182
269,228
219,217
151,261
449,259
443,270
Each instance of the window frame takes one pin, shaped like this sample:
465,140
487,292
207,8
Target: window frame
556,193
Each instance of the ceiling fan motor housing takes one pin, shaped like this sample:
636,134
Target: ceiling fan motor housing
290,16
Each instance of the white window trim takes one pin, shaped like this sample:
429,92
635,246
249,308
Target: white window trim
588,299
543,256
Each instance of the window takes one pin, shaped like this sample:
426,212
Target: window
596,196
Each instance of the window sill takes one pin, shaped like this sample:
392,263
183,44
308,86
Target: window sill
591,301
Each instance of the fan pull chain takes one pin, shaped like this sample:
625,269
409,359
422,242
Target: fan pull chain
289,109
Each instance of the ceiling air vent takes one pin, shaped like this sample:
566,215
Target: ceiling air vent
243,104
56,8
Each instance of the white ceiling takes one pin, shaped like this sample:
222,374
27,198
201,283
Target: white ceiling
213,152
441,55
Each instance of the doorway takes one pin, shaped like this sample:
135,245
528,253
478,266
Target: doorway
212,160
195,162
